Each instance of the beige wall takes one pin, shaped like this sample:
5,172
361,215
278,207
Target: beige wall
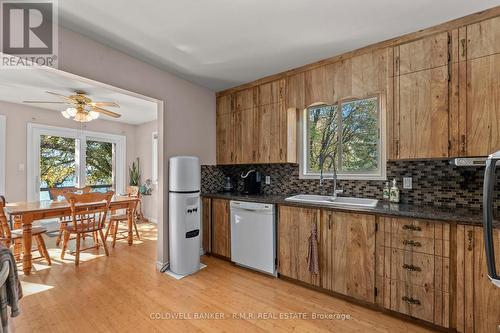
143,150
187,125
18,116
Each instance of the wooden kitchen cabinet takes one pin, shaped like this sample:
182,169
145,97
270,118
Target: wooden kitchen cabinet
221,228
347,256
225,130
206,224
475,115
421,98
294,230
413,268
477,299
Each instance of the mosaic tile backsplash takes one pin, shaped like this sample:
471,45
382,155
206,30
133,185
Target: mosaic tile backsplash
434,182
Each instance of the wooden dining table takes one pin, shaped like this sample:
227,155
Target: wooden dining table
24,214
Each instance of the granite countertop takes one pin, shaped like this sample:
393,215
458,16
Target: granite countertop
460,215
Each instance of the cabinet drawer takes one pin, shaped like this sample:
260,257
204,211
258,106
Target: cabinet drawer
413,268
412,300
415,244
414,228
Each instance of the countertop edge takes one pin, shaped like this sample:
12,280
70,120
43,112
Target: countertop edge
444,214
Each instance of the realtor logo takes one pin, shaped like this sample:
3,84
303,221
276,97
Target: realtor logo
28,33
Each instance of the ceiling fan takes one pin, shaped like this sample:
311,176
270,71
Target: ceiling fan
82,108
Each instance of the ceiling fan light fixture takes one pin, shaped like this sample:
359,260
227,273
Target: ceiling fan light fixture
82,117
69,113
94,115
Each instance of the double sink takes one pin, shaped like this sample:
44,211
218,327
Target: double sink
334,201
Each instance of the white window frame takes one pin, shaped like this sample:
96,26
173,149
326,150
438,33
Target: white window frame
3,147
33,158
154,158
382,160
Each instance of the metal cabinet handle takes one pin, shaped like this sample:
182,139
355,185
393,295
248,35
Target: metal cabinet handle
411,300
412,268
413,243
411,227
470,237
462,41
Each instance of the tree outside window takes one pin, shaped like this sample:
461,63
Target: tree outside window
349,132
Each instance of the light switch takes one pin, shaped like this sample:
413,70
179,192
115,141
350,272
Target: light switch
407,183
21,167
268,180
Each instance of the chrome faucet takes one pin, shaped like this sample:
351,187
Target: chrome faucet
321,178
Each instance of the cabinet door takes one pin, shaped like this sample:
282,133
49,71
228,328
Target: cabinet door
206,224
353,255
421,98
225,138
483,38
246,138
319,85
483,105
478,300
294,230
295,91
221,228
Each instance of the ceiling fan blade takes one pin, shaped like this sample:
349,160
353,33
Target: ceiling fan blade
44,102
59,95
106,112
109,104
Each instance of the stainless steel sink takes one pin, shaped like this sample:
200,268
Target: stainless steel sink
338,201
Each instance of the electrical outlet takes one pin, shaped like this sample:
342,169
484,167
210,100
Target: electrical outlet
268,180
407,183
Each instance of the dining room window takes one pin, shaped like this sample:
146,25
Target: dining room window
62,157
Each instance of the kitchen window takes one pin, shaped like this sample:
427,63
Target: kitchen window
351,133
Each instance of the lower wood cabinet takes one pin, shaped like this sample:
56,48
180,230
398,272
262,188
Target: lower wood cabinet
221,228
477,299
347,254
294,230
346,247
206,224
413,268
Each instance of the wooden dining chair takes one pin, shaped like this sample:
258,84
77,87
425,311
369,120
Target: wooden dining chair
58,192
117,217
9,236
88,214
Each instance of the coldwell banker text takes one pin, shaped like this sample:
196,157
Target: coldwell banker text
29,34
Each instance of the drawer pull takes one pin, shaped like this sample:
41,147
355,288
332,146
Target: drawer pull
412,268
411,227
411,300
412,243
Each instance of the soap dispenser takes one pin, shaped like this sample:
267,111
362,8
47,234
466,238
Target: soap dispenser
394,195
386,192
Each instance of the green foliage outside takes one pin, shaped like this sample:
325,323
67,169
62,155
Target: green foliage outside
350,136
58,164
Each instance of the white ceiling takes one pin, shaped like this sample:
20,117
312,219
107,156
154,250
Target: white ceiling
17,86
223,43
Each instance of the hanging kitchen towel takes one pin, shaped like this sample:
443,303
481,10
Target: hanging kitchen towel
312,256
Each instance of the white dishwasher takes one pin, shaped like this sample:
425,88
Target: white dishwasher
253,236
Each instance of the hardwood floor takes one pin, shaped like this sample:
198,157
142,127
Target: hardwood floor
123,292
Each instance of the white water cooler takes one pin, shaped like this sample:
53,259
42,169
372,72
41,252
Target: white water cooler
184,214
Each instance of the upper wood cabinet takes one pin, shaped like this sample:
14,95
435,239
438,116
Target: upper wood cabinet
294,230
347,254
225,133
477,299
421,99
295,92
258,128
476,83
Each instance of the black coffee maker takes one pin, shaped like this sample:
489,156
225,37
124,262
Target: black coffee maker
251,182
